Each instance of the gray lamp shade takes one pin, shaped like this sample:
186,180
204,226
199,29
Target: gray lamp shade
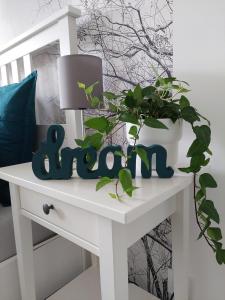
78,68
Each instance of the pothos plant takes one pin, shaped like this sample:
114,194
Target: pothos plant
165,98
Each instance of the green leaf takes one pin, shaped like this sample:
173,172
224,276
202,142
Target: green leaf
184,102
182,81
102,182
202,217
186,170
125,179
217,245
95,101
130,190
143,156
130,101
206,162
134,131
154,123
112,107
180,89
94,140
189,114
81,85
214,233
196,162
169,79
208,208
115,196
196,148
183,90
148,91
79,142
90,162
129,118
110,127
90,88
203,133
220,256
98,123
200,194
138,93
207,224
110,95
119,153
207,181
167,83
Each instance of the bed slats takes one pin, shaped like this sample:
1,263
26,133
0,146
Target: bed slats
7,77
27,64
4,75
15,71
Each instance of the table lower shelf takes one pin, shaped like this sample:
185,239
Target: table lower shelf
87,286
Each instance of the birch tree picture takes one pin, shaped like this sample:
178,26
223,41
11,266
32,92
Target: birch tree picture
134,39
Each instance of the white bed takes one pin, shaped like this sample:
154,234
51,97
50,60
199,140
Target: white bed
51,272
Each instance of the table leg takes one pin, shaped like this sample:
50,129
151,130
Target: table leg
180,244
113,261
24,247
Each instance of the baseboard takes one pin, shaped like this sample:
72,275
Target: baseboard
57,261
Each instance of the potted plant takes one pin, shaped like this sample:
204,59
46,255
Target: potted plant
145,110
169,139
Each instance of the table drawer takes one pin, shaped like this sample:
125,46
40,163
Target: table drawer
71,219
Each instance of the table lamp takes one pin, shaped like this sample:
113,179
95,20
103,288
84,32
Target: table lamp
78,68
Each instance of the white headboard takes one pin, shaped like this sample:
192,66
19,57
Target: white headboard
59,28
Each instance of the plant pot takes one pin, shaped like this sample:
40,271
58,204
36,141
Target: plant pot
168,138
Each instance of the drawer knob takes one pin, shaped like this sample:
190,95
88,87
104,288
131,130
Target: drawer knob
47,208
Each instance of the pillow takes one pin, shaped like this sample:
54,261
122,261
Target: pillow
17,126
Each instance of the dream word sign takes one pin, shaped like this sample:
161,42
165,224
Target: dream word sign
61,161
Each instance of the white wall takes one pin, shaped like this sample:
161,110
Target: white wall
199,58
17,16
20,14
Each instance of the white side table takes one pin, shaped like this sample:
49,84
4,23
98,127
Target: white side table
101,225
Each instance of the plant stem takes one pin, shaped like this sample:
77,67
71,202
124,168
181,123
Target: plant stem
116,184
126,161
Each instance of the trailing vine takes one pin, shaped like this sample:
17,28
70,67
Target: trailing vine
145,106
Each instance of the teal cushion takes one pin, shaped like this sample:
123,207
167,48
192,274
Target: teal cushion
17,126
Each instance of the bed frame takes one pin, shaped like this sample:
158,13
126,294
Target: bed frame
51,272
59,28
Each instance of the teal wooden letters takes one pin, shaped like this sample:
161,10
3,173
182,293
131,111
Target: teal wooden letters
50,150
61,161
161,156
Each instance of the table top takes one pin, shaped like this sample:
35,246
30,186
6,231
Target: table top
81,193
